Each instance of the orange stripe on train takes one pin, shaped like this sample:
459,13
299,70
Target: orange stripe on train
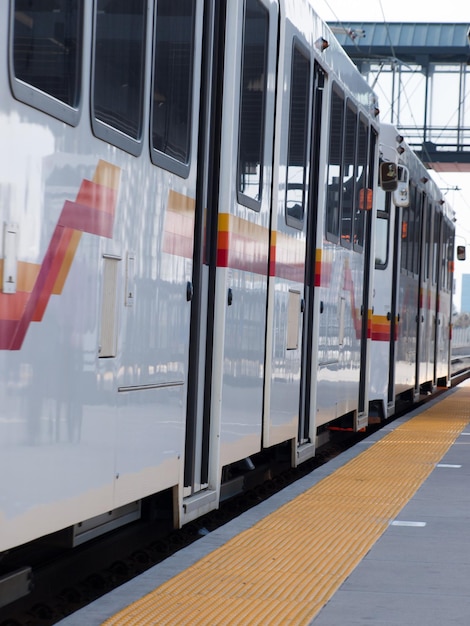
242,245
380,328
92,212
178,230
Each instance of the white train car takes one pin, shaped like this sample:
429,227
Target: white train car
98,209
185,265
412,283
318,292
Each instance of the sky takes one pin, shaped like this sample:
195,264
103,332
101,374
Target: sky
394,11
417,11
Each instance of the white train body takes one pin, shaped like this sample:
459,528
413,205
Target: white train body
412,283
186,257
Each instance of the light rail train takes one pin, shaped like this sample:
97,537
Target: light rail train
211,252
412,284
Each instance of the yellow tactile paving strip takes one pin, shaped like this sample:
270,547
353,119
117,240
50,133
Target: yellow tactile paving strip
285,568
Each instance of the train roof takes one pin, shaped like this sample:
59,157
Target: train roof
329,52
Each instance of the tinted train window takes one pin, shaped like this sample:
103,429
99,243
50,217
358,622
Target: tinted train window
381,238
449,265
404,236
445,257
298,132
383,226
172,82
411,234
46,54
348,174
253,97
417,235
427,218
334,167
362,195
436,251
118,80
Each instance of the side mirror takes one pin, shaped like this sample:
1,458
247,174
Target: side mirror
401,195
388,176
461,253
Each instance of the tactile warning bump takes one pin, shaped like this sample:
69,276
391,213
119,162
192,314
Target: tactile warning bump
285,568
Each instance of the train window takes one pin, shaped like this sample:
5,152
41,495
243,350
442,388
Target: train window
334,166
381,238
296,174
118,72
410,241
436,250
411,235
363,186
252,104
173,84
404,238
450,258
447,257
442,257
348,187
443,284
427,219
45,59
417,235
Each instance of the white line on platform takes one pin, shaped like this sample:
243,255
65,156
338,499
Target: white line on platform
448,465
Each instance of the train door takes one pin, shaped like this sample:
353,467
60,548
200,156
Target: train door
438,259
444,250
445,303
184,124
306,434
197,495
415,303
289,346
393,315
344,264
407,300
286,289
366,150
244,219
423,293
429,297
230,279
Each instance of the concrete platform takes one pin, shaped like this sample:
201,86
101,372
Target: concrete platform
418,572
